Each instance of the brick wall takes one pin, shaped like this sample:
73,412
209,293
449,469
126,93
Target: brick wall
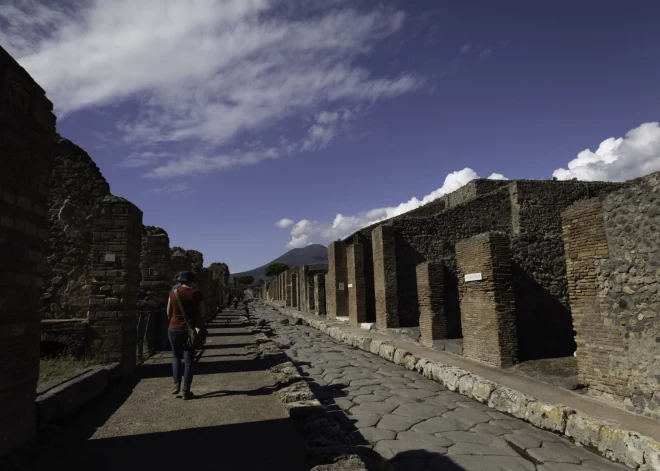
116,277
27,128
487,306
155,285
431,294
336,298
385,277
357,291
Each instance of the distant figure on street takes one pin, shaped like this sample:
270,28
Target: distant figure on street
192,302
235,303
227,300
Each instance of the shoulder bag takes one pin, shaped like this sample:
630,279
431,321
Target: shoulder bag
196,340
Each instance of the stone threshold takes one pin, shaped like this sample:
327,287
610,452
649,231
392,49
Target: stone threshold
617,434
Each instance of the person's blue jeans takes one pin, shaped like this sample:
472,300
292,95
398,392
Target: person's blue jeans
181,350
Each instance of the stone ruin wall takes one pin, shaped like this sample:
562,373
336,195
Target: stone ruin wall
613,265
529,212
76,185
27,128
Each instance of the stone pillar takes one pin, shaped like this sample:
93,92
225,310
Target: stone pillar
385,283
155,285
116,277
431,293
585,243
488,314
303,304
319,294
288,288
27,130
294,290
357,294
309,293
336,281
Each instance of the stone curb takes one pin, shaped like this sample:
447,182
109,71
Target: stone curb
630,448
302,404
62,397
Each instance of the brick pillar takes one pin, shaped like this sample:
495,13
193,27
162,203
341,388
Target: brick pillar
585,242
357,293
27,129
319,294
156,282
116,275
431,293
488,313
336,281
288,292
303,305
385,284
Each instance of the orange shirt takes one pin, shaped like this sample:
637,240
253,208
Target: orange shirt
190,298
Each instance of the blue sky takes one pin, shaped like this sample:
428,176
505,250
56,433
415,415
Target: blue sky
247,127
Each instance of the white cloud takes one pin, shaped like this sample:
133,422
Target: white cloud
636,154
306,232
284,223
497,176
175,189
207,71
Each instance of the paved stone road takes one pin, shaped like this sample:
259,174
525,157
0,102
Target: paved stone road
413,421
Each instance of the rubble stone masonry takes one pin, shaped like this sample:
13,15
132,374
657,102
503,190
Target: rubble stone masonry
319,294
487,305
27,128
613,267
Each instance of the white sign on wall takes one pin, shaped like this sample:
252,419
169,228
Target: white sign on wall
473,277
109,257
350,285
341,286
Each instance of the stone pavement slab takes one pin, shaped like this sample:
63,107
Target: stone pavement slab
419,426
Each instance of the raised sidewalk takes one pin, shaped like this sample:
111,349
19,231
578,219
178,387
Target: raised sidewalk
620,435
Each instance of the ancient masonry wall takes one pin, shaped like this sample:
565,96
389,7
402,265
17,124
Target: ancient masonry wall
319,294
487,304
357,292
76,185
385,277
613,265
430,289
116,277
64,336
336,281
27,127
155,284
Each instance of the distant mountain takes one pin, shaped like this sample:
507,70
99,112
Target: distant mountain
294,258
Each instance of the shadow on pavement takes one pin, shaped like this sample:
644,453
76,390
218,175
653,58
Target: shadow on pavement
270,445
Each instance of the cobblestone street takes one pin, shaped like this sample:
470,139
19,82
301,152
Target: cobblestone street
414,422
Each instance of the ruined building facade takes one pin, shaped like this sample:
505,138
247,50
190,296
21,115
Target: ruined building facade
508,271
80,272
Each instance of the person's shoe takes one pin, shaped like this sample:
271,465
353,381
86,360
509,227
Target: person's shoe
177,388
188,395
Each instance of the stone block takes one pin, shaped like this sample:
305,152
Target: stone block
512,402
548,416
400,356
621,445
584,429
387,351
651,455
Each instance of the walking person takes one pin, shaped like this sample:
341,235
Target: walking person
192,317
228,300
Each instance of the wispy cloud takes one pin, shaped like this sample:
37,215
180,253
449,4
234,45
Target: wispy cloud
306,232
209,72
173,190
